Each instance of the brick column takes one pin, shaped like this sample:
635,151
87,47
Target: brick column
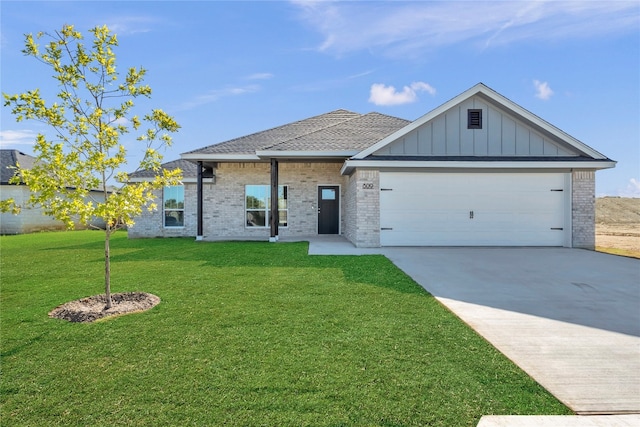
583,209
363,209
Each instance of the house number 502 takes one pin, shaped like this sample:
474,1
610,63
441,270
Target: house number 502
367,186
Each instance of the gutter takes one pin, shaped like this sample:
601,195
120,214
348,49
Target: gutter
350,165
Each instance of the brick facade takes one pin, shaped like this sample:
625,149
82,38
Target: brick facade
363,209
151,224
583,209
224,205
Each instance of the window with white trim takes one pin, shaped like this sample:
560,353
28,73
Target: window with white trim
173,204
258,205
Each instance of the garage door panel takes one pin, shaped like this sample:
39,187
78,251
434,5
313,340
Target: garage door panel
461,238
480,209
415,222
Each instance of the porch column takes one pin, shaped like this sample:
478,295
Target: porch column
274,219
199,233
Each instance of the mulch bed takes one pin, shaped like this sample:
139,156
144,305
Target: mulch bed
93,308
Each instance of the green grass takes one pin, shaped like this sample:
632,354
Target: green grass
247,334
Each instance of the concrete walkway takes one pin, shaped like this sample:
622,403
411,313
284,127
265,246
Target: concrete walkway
560,421
570,318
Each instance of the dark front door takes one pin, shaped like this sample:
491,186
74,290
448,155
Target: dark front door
328,209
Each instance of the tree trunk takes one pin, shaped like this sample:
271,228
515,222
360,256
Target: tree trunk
107,266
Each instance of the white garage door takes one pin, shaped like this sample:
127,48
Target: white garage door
473,209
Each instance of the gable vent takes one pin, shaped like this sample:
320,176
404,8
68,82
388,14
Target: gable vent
474,119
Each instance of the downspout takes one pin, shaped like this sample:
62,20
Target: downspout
274,218
199,234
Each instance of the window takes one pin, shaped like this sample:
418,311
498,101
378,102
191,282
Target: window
258,205
474,119
173,198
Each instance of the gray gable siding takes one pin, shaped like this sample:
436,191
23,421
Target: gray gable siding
501,135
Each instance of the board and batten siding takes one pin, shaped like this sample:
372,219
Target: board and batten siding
501,135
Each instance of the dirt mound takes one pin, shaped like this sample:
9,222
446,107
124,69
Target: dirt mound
92,308
617,210
618,224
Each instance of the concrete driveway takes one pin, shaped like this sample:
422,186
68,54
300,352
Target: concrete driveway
570,318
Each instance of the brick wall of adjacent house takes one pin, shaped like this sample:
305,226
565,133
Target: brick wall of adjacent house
363,208
224,204
583,207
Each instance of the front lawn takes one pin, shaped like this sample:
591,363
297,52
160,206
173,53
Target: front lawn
246,334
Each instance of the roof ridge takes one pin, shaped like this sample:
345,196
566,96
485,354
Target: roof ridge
386,115
340,124
272,129
319,130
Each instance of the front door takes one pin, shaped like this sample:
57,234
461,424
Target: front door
328,209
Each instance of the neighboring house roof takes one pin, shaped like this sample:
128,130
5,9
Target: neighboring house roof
339,133
9,160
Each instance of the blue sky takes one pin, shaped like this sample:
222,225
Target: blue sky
228,69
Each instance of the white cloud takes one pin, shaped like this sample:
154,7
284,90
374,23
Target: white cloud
381,94
260,76
17,137
121,121
128,25
543,91
632,189
215,95
402,29
362,74
424,87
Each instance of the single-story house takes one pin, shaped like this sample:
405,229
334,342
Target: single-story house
29,219
479,170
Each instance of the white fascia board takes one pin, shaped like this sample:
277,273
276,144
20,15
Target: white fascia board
306,154
187,180
194,180
350,165
219,157
145,179
498,100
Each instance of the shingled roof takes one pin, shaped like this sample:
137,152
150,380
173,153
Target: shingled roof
189,169
339,130
9,159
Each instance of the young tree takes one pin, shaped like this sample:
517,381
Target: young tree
93,112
